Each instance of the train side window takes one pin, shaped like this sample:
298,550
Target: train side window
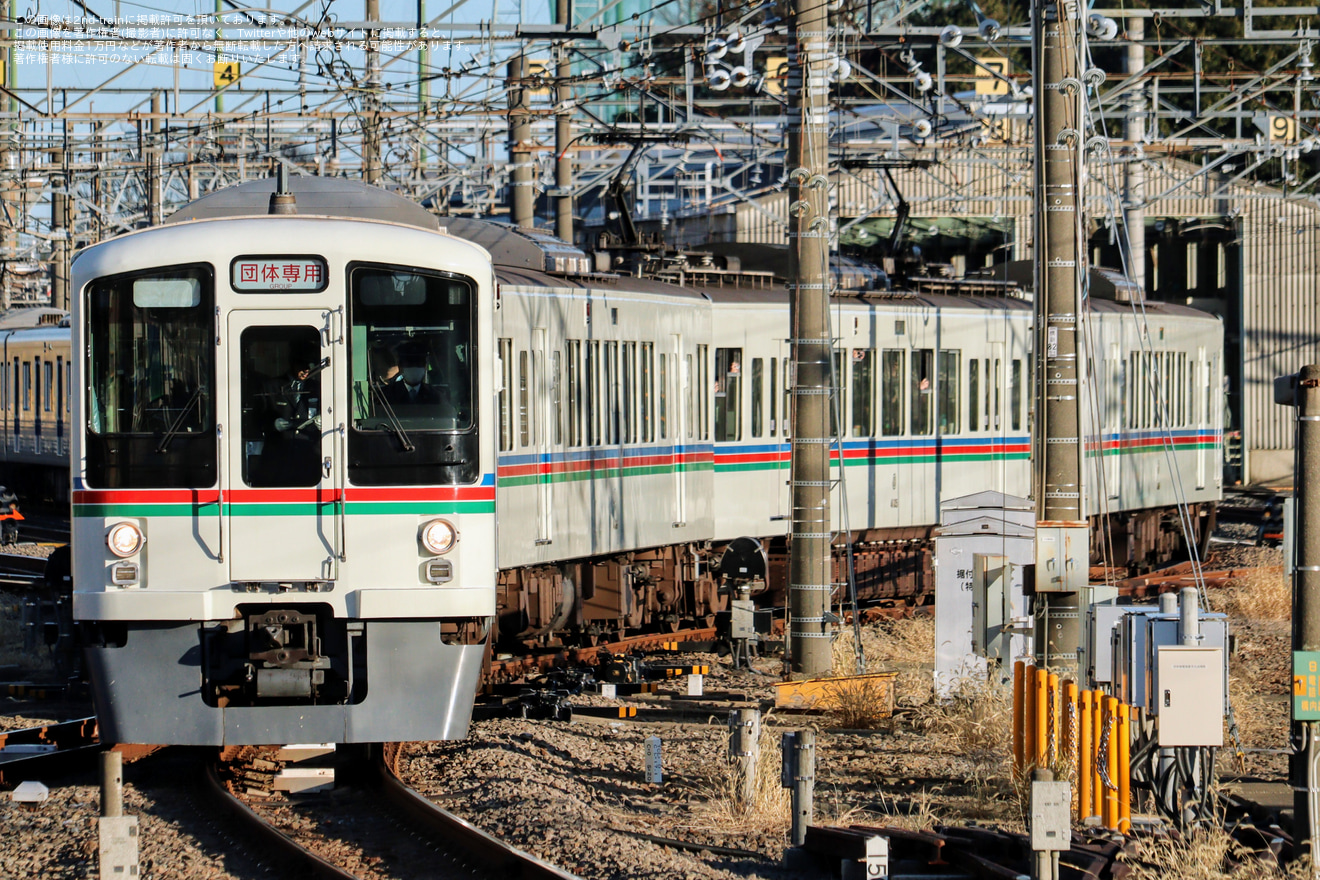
629,392
990,380
556,398
923,377
974,394
573,403
949,372
788,392
728,394
36,381
48,385
506,394
60,399
863,392
524,401
17,394
662,401
838,394
27,386
774,395
1015,395
645,401
687,397
703,388
999,386
758,394
4,386
1133,378
612,392
891,391
68,385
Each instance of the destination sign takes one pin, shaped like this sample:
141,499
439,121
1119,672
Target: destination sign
278,274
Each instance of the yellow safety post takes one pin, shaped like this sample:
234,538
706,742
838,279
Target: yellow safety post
1124,768
1069,735
1018,708
1085,758
1028,717
1097,786
1042,718
1111,765
1052,753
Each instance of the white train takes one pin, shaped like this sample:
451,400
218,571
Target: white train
294,433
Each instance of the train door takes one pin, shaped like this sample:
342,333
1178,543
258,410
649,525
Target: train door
283,467
543,416
681,425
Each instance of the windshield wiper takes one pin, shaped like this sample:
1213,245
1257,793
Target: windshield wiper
395,425
174,427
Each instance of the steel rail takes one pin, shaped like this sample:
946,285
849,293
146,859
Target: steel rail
271,835
500,858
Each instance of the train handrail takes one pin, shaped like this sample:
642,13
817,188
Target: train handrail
220,488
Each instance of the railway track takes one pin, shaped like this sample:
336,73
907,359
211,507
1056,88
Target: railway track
375,826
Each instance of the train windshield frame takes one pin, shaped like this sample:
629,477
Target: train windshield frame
150,363
412,376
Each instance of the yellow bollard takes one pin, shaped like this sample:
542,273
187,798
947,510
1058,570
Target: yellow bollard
1028,718
1042,718
1111,793
1085,759
1124,768
1055,733
1097,723
1018,708
1068,738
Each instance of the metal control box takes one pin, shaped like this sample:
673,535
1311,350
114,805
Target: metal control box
1051,816
992,604
1063,559
1141,634
1191,696
1104,620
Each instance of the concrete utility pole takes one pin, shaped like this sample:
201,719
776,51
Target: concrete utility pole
1134,170
522,201
152,155
1062,540
1302,390
371,164
810,576
563,130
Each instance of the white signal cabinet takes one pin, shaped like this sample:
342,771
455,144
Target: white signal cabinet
1191,696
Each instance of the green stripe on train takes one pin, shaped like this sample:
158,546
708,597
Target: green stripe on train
355,508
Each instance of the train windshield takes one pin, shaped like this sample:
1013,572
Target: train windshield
412,372
151,368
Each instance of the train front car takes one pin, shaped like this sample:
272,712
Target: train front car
284,502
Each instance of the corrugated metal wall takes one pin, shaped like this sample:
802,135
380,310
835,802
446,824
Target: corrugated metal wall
1280,255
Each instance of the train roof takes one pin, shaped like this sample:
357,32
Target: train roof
606,283
315,197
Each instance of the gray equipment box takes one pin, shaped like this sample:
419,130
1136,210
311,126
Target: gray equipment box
1191,696
1139,637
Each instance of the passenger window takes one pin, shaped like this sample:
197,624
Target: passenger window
774,395
556,399
687,397
703,388
758,378
48,395
572,382
506,394
998,386
524,401
974,394
646,432
949,374
662,403
728,394
863,392
1015,395
891,392
838,394
922,394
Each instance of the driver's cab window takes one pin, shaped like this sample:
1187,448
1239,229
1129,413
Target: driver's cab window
281,387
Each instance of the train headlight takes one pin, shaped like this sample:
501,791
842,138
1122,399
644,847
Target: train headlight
124,539
439,536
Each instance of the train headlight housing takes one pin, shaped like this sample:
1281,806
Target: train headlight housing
439,536
124,539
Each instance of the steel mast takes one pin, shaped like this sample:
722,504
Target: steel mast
1062,536
810,575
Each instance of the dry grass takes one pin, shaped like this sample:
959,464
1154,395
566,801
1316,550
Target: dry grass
719,805
1264,594
975,721
860,703
1207,854
903,646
